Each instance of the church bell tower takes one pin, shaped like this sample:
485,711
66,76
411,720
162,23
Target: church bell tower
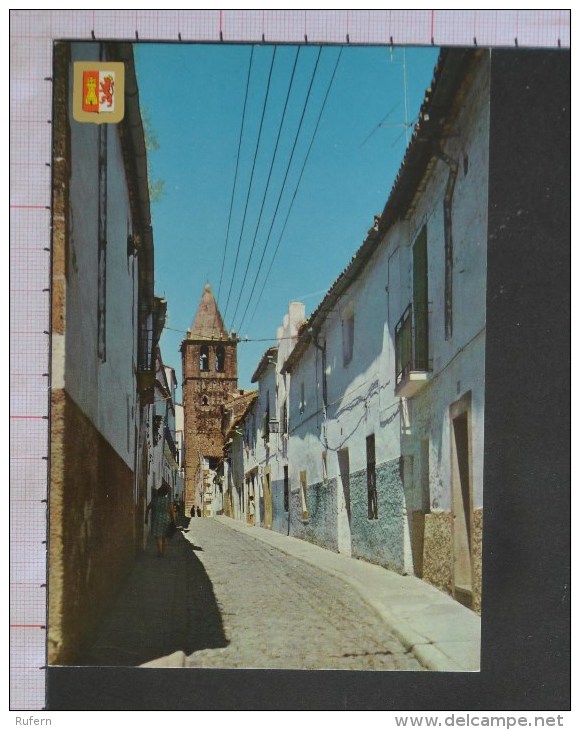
210,374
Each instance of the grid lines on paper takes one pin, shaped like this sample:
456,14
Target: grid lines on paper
32,33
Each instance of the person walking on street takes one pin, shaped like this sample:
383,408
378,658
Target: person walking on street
162,516
150,505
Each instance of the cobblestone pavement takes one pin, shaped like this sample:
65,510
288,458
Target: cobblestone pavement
279,612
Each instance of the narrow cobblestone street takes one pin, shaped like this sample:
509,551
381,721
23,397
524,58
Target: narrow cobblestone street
279,612
227,595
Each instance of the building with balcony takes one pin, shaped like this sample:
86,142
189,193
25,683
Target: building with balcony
103,322
385,415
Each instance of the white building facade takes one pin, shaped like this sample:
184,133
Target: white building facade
102,367
264,435
379,453
180,454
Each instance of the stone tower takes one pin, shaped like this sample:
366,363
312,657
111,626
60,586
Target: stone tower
210,374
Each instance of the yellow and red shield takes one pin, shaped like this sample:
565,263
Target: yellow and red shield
98,94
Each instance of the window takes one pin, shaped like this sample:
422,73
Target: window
205,401
303,498
324,383
420,301
266,420
324,467
145,357
302,398
157,423
220,358
102,245
284,417
347,337
204,358
286,490
404,345
372,479
448,228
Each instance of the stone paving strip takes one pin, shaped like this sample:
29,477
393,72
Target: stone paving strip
228,595
440,632
279,611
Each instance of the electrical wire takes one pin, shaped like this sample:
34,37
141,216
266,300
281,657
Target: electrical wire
236,172
268,180
244,339
283,184
297,186
251,178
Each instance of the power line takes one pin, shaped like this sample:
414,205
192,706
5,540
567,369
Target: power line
241,339
236,172
268,181
251,178
297,185
283,184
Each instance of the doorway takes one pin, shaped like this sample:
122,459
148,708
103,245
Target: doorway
462,499
267,499
344,535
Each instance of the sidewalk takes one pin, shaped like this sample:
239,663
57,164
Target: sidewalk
441,633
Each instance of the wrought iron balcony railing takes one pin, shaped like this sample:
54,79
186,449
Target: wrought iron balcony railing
170,442
412,365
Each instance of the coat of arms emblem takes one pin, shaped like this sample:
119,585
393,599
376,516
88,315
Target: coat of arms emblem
98,92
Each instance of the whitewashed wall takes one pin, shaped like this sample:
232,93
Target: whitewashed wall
361,393
458,363
104,390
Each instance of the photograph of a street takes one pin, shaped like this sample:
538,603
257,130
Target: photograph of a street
269,351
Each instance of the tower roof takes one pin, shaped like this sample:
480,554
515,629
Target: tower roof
208,323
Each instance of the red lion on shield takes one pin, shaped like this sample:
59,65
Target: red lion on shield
107,90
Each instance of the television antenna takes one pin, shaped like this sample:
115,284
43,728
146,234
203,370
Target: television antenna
406,125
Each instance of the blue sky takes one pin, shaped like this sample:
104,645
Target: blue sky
193,97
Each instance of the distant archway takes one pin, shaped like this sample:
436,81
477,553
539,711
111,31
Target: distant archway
204,358
220,359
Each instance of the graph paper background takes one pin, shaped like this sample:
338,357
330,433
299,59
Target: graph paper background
32,33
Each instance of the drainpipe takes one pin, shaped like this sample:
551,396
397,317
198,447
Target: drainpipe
322,348
448,232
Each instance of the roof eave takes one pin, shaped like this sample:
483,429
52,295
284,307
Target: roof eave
450,69
265,361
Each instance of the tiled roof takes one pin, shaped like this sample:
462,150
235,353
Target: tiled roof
270,355
239,405
208,323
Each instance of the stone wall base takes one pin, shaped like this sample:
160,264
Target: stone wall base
92,541
438,553
438,550
476,539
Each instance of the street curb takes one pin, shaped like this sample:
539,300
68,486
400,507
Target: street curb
424,650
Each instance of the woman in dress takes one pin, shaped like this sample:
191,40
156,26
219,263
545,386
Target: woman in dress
162,515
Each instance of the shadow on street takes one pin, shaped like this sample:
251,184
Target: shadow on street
166,605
